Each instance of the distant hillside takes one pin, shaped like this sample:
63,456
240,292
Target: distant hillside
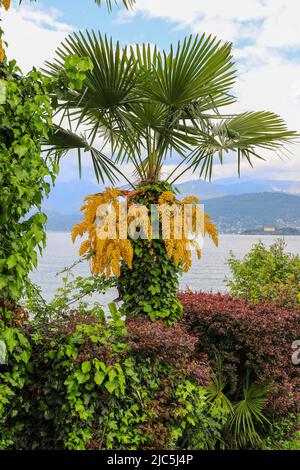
67,197
233,214
234,186
248,211
61,222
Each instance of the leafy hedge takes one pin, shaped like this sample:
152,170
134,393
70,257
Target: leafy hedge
248,338
98,385
223,377
267,274
14,373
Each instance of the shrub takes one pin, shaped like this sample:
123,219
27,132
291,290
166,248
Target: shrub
267,274
13,372
284,435
247,339
110,385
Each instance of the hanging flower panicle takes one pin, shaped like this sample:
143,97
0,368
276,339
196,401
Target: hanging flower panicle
6,5
177,224
185,227
106,253
2,52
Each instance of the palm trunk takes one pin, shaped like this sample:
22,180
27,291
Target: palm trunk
150,288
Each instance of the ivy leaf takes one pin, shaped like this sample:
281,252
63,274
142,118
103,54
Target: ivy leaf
99,377
20,150
11,261
111,386
81,377
86,367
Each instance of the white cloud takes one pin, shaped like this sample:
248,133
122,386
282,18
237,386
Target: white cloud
33,34
280,27
278,19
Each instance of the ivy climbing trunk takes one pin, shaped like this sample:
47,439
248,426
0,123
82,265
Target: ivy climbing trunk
150,287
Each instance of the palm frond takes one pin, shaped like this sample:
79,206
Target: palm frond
201,69
147,105
248,414
109,3
247,134
62,141
110,87
215,394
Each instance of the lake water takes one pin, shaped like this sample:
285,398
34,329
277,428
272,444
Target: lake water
207,275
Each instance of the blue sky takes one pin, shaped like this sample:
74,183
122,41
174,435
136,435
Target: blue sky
265,34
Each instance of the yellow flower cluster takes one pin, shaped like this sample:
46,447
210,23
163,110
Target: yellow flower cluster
2,53
178,225
106,254
6,4
177,221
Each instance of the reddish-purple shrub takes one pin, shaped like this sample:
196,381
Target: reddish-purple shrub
255,337
169,344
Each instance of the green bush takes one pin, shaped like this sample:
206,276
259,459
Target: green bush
284,435
265,275
88,383
13,375
87,388
94,392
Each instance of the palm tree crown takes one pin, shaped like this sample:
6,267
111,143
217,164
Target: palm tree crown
147,104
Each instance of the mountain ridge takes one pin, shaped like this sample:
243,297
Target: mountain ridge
231,213
67,197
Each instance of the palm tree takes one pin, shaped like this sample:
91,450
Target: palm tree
147,105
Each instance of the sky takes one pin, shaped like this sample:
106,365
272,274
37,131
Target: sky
266,45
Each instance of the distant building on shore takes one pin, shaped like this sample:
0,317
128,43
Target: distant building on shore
272,231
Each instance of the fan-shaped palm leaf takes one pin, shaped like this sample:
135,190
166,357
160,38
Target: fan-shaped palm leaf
146,104
247,134
248,413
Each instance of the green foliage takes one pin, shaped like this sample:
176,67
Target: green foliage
283,435
267,274
248,416
75,293
150,288
13,376
25,119
82,385
243,416
25,176
150,105
88,390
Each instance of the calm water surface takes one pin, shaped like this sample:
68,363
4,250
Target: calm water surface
208,274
